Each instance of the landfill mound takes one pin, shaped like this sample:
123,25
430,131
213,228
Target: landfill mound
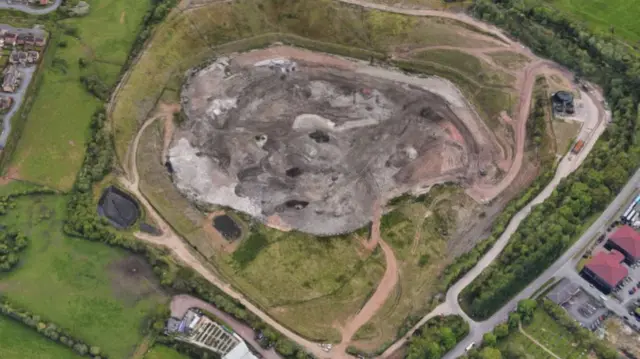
303,145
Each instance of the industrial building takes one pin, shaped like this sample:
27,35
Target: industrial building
605,270
563,103
200,330
627,241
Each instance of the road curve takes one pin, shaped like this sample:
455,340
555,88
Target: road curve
31,10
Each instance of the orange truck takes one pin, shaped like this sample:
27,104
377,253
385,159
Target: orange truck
577,147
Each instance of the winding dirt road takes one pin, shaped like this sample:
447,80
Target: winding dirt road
181,251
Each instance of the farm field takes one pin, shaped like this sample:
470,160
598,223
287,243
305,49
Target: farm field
163,352
604,15
19,342
62,108
99,293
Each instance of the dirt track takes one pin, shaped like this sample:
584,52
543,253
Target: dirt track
379,297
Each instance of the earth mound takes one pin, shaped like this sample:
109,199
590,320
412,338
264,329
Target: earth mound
311,147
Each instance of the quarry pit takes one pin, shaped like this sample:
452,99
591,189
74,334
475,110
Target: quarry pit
308,141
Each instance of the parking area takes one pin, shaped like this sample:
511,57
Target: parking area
629,289
589,311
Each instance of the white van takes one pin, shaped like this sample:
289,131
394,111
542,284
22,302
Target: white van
470,346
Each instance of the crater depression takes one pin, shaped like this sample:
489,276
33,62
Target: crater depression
312,142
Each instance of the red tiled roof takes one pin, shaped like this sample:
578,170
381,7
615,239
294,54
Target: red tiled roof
628,239
606,265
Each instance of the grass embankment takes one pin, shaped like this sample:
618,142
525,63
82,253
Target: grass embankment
88,288
52,145
418,230
19,342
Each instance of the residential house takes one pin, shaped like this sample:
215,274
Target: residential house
10,38
20,39
605,270
11,79
29,40
40,42
32,57
5,103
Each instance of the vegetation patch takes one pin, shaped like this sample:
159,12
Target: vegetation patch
437,336
11,244
73,276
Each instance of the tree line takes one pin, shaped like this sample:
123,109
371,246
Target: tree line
49,330
11,244
554,225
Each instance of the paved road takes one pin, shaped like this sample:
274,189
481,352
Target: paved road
562,267
18,97
181,303
30,10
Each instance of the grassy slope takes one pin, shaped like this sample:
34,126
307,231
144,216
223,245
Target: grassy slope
19,342
73,277
52,146
421,251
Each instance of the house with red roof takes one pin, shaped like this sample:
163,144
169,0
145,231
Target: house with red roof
627,241
605,270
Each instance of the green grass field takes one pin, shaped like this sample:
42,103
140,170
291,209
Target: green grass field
86,287
163,352
52,145
18,342
621,16
548,333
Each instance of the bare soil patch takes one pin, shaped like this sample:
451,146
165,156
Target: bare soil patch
132,279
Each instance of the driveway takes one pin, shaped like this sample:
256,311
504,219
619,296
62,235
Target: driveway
30,10
18,97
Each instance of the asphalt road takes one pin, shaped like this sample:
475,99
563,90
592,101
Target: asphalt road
28,9
562,267
18,96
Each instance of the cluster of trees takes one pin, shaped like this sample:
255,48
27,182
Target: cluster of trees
11,244
524,315
49,330
436,337
553,226
537,123
95,86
